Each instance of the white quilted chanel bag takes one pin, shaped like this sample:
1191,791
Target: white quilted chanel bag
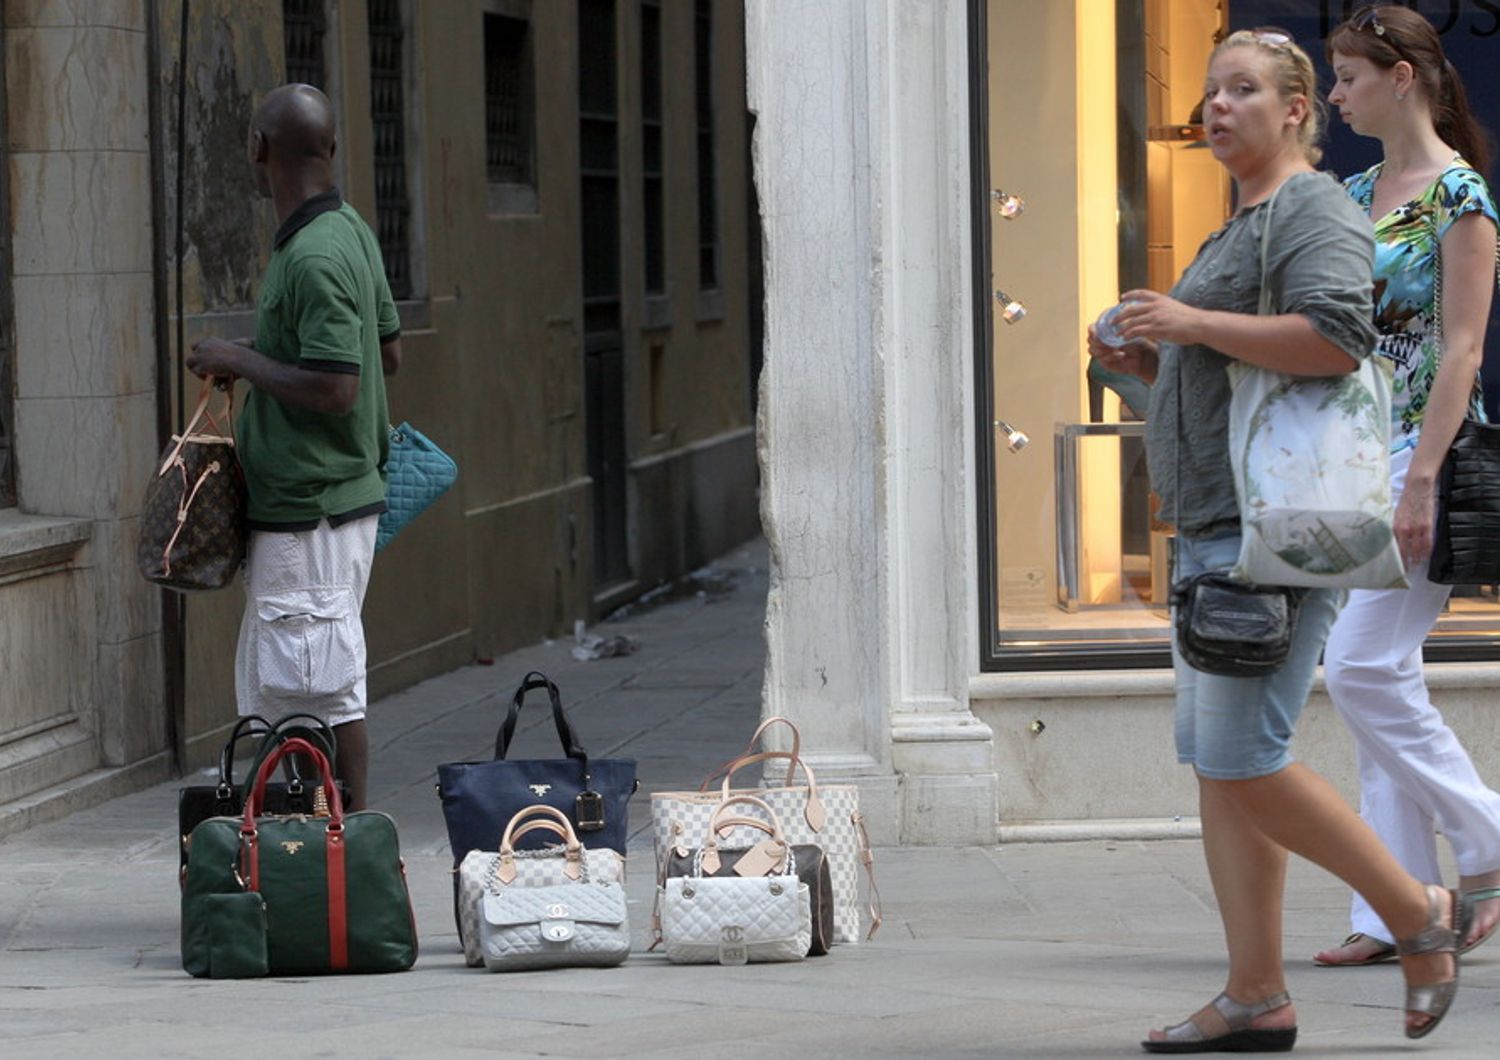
575,925
736,919
529,909
549,867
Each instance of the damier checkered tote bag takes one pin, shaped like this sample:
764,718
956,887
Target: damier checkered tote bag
824,815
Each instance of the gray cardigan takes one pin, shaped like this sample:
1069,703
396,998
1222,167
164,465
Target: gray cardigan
1318,264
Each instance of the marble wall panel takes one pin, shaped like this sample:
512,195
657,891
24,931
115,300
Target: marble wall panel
71,89
40,624
127,605
87,457
132,700
80,212
122,14
84,335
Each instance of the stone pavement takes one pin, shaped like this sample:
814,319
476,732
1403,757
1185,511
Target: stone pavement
1043,950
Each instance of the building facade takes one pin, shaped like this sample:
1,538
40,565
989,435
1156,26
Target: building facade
562,195
968,608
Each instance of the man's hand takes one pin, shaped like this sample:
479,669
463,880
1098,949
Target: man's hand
217,359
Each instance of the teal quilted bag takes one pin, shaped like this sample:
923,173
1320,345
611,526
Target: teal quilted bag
417,473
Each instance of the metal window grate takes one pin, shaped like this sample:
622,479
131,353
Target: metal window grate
388,116
304,25
708,197
509,143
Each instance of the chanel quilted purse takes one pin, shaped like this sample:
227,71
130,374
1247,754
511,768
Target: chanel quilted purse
532,869
193,530
808,860
763,915
558,918
417,473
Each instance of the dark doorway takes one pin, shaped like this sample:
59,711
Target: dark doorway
603,349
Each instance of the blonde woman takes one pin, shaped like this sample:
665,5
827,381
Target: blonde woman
1261,109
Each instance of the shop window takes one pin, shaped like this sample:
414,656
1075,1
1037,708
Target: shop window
708,197
509,114
388,117
1094,178
304,25
652,187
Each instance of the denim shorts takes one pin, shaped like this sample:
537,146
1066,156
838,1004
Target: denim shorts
1238,728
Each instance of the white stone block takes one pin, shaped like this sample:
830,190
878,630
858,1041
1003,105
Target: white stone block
80,212
84,335
76,88
128,606
86,457
121,14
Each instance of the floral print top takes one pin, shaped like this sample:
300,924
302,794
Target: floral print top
1407,240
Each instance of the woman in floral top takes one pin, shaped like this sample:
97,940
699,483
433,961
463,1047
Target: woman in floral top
1434,222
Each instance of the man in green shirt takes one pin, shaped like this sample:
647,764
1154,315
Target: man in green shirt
313,435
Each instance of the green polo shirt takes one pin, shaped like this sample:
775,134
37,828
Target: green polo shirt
325,306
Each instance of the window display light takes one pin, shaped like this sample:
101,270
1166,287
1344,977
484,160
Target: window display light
1011,310
1015,440
1006,204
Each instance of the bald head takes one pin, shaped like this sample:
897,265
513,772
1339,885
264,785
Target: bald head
296,122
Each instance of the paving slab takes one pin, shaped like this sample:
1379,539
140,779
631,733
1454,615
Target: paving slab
1066,950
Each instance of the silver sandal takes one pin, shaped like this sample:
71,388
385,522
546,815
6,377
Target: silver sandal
1237,1035
1434,999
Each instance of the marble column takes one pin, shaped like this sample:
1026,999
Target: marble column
866,412
85,408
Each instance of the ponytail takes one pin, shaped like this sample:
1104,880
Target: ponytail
1455,122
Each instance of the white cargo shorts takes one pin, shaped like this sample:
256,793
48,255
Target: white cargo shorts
302,643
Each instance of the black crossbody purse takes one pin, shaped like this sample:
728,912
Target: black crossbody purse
1226,626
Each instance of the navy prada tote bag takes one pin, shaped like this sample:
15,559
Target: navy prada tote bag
479,798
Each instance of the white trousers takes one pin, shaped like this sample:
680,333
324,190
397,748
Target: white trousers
1414,775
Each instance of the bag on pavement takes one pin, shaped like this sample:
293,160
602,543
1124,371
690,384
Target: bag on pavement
544,908
480,798
198,802
333,888
764,858
533,869
735,919
823,815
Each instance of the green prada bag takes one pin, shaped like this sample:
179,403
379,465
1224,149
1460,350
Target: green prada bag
332,889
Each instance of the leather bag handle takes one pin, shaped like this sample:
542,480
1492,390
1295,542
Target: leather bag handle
771,824
201,413
531,682
813,811
760,731
242,729
293,745
277,733
541,816
534,818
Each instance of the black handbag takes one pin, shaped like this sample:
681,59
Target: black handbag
1466,539
479,798
1233,628
196,803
